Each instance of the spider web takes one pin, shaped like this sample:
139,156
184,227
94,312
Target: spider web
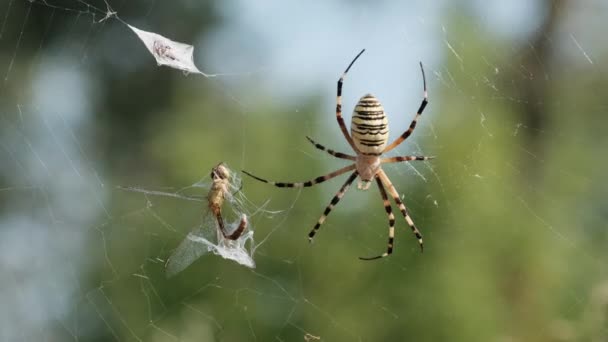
101,96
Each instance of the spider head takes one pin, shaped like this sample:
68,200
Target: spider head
367,167
369,126
220,172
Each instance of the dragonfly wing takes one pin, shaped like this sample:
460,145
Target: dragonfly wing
185,254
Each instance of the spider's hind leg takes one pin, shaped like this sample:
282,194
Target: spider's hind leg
332,204
391,223
339,117
391,189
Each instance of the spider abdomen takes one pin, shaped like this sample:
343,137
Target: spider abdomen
369,126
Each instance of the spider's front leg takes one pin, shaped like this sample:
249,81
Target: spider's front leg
339,117
308,183
330,151
409,131
404,159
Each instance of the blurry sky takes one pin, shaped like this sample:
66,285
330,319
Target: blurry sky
318,39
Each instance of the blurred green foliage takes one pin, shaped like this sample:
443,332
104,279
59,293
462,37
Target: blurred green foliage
515,246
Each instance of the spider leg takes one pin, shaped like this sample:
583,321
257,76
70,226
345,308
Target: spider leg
391,189
339,106
409,131
391,222
404,158
317,180
332,204
238,231
330,151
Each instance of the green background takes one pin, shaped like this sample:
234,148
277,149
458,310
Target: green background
513,208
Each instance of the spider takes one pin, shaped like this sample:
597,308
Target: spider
369,129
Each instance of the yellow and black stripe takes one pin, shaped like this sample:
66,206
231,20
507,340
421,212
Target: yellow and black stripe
391,223
408,132
332,204
403,159
369,126
312,182
330,151
402,208
339,117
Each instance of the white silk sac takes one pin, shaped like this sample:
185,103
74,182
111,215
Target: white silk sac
168,52
200,242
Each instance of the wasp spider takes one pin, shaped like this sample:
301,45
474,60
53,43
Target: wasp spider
369,129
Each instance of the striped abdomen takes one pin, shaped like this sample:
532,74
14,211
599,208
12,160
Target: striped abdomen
369,126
